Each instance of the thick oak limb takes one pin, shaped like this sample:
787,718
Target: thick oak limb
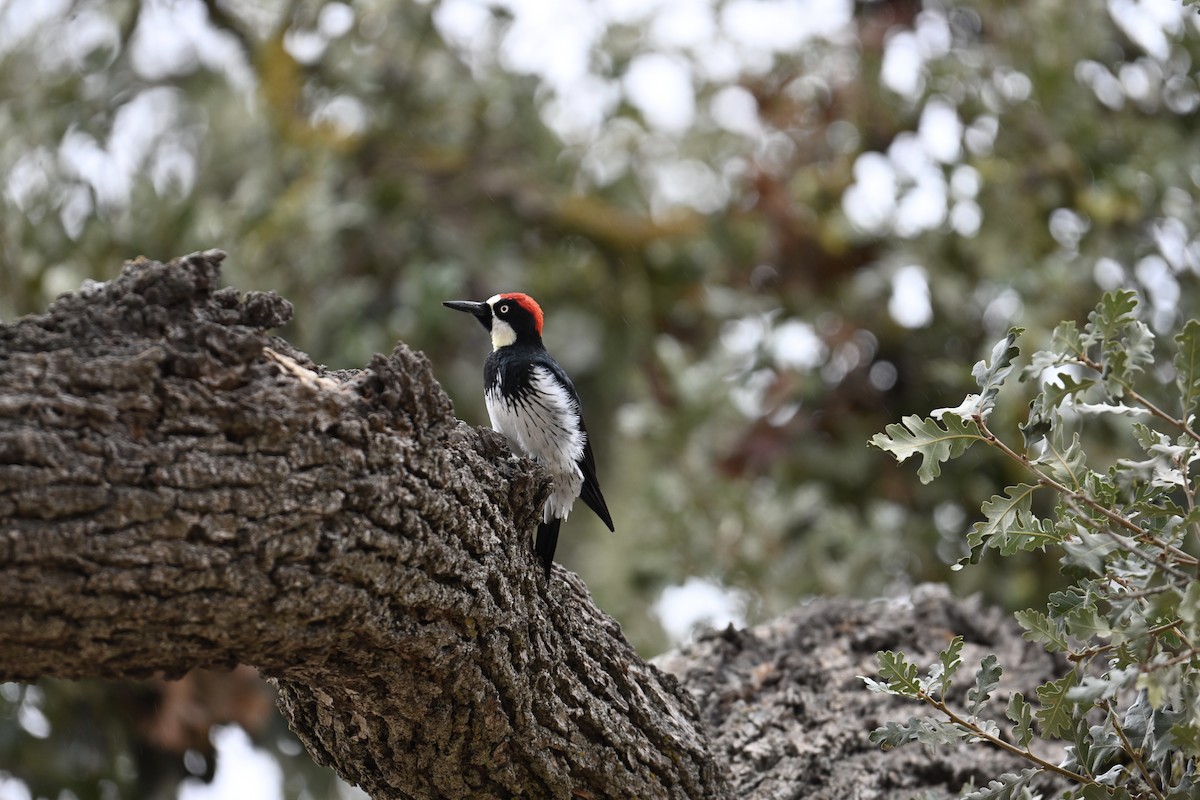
788,710
179,489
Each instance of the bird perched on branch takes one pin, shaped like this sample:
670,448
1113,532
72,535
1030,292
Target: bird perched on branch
531,400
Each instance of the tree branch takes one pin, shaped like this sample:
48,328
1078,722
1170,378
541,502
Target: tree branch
173,496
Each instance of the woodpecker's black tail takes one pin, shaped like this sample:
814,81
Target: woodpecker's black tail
547,541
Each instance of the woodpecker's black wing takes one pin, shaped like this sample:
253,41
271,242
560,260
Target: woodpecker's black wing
590,493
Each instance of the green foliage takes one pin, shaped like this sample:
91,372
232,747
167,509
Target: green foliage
1021,714
929,732
1125,535
949,660
950,431
1187,367
935,442
371,169
991,377
900,674
1057,712
1010,525
1042,629
987,678
1009,786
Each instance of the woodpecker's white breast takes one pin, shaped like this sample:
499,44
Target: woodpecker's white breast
542,421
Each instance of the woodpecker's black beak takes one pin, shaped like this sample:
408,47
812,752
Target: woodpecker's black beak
481,311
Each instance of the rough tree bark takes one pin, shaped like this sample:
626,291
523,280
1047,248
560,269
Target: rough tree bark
790,715
177,491
180,489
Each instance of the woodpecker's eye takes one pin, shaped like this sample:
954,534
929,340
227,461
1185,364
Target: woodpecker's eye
504,308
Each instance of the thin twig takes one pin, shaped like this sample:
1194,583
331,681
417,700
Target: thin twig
1133,752
996,741
1129,544
1136,594
1141,533
1092,652
1154,410
1186,655
1141,399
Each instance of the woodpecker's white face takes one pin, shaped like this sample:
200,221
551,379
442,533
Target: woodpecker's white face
502,333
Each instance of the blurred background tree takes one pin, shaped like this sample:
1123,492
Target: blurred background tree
761,229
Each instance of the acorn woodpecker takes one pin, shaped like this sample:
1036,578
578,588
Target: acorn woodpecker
531,400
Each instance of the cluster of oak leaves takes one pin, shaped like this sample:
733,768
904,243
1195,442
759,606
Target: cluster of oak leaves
1128,706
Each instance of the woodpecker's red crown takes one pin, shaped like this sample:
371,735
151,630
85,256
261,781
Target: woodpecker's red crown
529,304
